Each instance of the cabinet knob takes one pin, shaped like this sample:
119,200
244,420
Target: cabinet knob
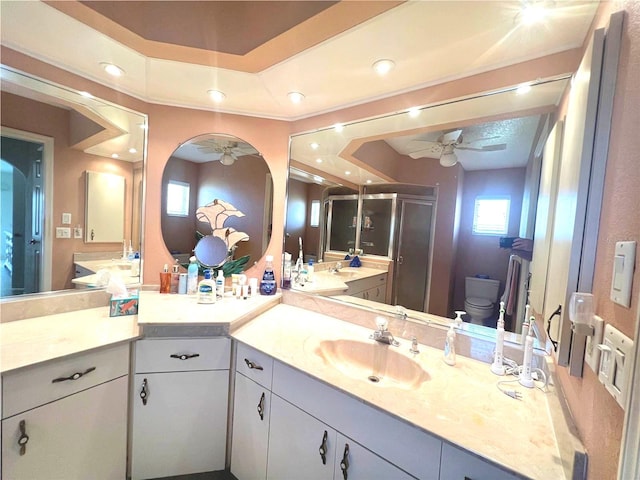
144,392
75,376
24,438
252,365
184,356
344,463
323,448
261,407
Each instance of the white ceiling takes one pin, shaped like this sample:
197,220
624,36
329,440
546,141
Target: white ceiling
430,42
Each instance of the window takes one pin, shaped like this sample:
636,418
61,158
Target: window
315,213
177,198
491,215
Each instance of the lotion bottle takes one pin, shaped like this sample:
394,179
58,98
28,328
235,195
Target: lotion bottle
192,277
207,289
450,347
220,284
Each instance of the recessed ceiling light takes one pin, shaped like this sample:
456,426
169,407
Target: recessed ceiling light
338,127
133,150
112,69
532,13
347,172
314,145
318,178
368,181
414,112
115,155
522,89
216,95
295,97
384,66
86,94
318,160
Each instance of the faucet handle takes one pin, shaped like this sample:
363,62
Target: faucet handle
382,323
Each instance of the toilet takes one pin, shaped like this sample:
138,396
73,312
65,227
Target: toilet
481,295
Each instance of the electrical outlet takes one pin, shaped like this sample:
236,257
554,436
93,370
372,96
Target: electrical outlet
77,232
66,219
63,232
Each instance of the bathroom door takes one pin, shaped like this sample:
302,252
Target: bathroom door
412,271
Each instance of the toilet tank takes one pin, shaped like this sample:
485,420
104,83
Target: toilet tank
481,288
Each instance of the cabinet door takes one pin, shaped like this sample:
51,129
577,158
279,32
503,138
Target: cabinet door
183,425
456,464
80,436
354,462
295,441
377,294
251,413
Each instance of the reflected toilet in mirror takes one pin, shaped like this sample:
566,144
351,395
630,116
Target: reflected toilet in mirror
217,203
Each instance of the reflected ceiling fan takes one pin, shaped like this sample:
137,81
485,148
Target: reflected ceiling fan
444,148
226,151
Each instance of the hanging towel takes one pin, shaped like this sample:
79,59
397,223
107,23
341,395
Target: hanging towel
510,295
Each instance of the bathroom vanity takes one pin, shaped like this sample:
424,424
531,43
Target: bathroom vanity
287,389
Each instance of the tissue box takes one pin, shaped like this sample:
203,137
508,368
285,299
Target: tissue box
121,305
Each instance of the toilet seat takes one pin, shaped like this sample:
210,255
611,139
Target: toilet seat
479,302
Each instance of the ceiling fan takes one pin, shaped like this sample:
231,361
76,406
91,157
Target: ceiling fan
225,151
444,148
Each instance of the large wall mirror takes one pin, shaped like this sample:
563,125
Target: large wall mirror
217,196
440,169
52,136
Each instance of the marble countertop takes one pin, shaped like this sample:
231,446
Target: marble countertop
461,404
326,283
36,340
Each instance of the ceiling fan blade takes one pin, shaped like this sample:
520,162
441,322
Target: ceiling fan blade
476,140
426,153
486,148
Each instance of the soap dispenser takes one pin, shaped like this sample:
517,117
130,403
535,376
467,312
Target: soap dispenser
450,346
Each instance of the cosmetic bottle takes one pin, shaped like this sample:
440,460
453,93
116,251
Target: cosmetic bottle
450,346
310,271
220,284
192,276
268,284
207,289
286,272
165,280
175,278
182,284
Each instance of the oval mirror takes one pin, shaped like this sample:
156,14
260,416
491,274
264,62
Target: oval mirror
217,196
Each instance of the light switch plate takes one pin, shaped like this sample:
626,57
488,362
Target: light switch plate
63,232
592,353
615,363
623,266
66,219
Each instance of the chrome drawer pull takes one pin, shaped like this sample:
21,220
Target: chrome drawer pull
323,448
185,356
261,407
252,365
344,464
24,438
75,376
144,392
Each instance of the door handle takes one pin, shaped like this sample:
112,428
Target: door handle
252,365
184,356
24,438
400,260
323,448
144,392
344,463
261,407
75,376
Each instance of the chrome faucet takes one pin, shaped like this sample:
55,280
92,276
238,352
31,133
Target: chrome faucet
382,334
401,312
336,268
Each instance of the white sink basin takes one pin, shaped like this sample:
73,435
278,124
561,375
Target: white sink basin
374,362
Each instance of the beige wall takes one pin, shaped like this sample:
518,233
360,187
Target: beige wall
480,254
597,415
68,180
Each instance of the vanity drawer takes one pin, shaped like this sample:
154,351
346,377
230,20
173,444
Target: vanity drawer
254,364
356,286
35,386
182,354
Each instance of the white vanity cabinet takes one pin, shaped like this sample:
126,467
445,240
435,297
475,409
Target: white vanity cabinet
251,414
180,403
456,464
371,288
67,418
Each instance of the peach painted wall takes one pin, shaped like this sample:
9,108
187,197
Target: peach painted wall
179,232
168,127
480,254
597,415
296,216
69,179
312,234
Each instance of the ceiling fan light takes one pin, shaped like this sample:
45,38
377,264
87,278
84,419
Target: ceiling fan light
227,159
448,159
